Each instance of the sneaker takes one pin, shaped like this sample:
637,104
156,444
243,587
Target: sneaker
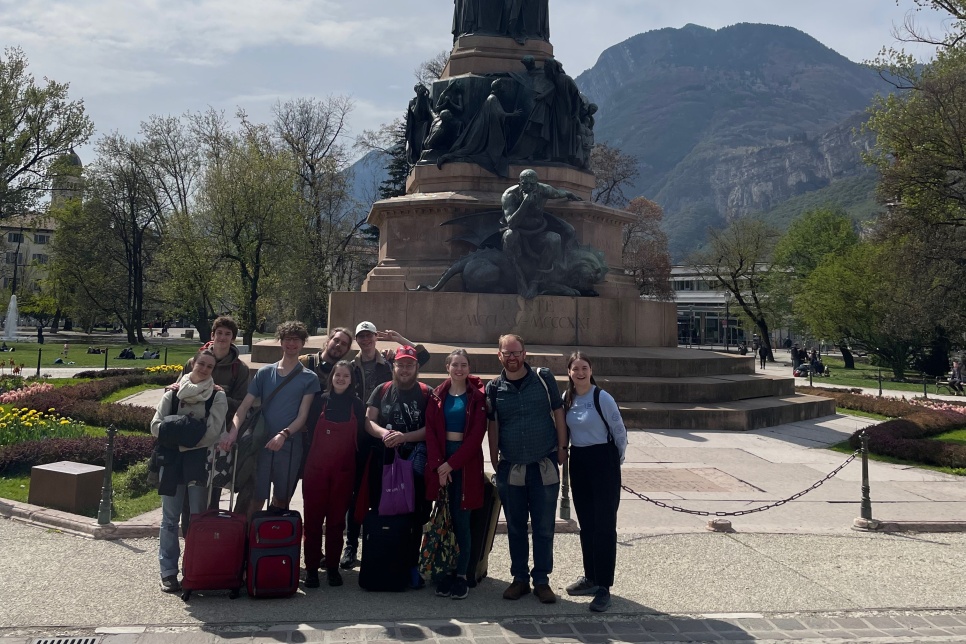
460,588
582,586
445,586
516,590
335,577
544,593
601,600
311,578
170,584
349,560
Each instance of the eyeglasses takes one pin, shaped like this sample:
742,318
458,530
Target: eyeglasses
511,354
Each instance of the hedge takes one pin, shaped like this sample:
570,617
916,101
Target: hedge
910,438
892,407
17,459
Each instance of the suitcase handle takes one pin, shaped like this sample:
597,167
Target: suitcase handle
234,470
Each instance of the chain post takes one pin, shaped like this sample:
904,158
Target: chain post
166,356
40,352
107,491
925,394
866,512
565,490
810,370
105,358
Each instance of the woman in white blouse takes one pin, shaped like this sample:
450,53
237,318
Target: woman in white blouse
598,440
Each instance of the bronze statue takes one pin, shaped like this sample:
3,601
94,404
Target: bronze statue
534,243
446,126
484,141
519,19
418,117
527,19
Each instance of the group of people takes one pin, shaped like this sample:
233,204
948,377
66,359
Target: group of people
331,421
805,362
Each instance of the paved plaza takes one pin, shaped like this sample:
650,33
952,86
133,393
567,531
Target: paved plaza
795,572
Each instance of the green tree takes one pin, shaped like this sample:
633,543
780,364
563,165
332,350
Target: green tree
738,259
38,125
808,241
846,297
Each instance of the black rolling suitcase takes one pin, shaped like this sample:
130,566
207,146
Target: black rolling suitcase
386,559
483,522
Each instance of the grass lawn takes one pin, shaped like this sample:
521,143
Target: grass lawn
17,488
26,354
956,436
864,375
860,414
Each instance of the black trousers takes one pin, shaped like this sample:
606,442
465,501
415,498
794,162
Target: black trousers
368,445
595,485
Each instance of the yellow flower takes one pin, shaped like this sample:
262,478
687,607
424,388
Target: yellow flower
65,422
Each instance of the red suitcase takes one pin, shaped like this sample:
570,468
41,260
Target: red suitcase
274,553
214,551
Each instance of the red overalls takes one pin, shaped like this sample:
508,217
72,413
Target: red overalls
327,488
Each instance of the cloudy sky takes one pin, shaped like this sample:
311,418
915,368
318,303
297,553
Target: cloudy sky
129,59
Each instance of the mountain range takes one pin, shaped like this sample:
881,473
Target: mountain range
725,123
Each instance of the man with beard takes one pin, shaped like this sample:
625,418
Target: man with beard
397,417
337,345
528,440
370,369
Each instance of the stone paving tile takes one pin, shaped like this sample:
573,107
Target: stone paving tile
943,620
820,623
882,622
522,630
848,623
413,633
932,632
620,628
756,624
788,624
449,630
490,640
632,638
484,630
556,629
658,626
594,638
303,637
691,626
865,632
912,621
899,632
590,628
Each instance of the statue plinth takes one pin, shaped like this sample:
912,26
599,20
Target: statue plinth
492,55
469,177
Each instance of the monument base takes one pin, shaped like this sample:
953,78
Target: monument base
492,55
481,318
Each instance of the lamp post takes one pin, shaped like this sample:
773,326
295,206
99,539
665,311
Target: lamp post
691,325
727,321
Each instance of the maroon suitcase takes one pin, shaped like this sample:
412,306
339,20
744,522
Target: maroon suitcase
274,553
214,551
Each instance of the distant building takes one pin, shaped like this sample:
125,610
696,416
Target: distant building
705,312
26,244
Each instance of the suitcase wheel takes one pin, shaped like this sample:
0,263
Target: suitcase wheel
234,593
186,595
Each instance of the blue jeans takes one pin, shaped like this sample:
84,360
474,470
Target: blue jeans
169,549
538,503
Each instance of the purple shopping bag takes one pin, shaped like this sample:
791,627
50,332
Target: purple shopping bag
398,493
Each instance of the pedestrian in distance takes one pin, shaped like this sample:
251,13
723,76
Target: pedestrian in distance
455,426
598,442
184,473
330,469
762,355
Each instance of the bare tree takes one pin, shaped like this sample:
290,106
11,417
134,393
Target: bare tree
644,250
615,172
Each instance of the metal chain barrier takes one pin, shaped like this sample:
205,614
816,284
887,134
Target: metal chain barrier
738,513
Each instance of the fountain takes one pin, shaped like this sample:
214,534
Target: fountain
10,330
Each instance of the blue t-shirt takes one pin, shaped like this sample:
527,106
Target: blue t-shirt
586,426
284,407
454,411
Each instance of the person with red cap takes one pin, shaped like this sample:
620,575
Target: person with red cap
396,412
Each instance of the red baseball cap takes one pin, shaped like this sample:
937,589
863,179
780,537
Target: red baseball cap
407,353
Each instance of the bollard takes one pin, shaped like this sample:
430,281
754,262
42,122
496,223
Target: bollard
40,352
810,377
107,491
880,381
105,358
866,512
925,394
166,355
565,491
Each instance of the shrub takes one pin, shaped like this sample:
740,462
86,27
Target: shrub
892,407
17,395
133,482
21,424
909,438
18,459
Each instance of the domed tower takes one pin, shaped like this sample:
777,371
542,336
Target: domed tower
68,182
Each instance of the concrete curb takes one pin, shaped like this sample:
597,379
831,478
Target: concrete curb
75,524
874,525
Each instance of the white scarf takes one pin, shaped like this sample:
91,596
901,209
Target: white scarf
190,393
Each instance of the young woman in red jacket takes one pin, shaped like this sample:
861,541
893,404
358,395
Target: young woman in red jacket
455,424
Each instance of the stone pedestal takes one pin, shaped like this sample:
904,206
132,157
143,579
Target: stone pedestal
71,487
480,318
492,55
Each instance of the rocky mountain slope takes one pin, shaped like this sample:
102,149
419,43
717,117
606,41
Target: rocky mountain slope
732,121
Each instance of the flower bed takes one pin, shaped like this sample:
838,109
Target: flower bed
910,438
892,407
18,395
21,424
